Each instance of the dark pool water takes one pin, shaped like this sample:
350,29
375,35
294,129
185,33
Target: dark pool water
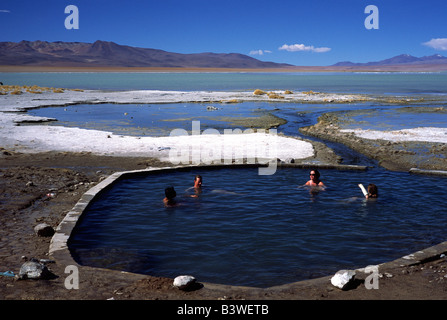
252,230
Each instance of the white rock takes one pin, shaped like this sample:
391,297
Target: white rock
342,278
184,282
33,270
44,230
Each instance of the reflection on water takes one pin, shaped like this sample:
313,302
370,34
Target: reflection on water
395,118
264,230
160,119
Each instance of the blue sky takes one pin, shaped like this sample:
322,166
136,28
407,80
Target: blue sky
309,32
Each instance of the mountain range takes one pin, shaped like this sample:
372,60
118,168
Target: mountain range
110,54
399,60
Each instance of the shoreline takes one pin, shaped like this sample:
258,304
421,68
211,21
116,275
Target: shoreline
35,138
393,153
45,138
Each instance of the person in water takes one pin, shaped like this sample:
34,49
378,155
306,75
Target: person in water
170,195
315,179
373,191
198,182
197,186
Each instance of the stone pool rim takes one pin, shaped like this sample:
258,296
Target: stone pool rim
59,250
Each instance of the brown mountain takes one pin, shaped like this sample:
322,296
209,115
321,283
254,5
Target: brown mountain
110,54
403,59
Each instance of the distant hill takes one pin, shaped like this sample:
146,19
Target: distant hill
104,54
403,59
110,54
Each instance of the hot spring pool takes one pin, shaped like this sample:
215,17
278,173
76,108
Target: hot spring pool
261,231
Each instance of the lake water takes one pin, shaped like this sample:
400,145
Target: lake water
381,118
160,119
366,83
152,119
246,229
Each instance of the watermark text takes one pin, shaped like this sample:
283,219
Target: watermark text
72,280
72,20
232,145
372,21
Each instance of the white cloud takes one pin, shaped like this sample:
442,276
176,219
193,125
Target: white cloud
438,44
5,11
302,47
259,52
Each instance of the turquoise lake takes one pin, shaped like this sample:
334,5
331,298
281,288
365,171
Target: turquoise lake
369,83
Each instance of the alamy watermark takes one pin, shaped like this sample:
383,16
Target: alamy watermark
72,20
232,145
372,20
372,281
72,280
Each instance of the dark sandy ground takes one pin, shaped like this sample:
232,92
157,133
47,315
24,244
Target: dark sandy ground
25,181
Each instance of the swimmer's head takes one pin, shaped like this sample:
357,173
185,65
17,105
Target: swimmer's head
198,181
315,173
170,192
373,190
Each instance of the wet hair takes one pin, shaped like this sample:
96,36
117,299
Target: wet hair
373,191
198,177
170,192
317,173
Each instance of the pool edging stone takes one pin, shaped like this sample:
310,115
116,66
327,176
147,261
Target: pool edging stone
59,250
